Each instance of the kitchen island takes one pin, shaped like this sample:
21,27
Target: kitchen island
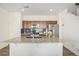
45,46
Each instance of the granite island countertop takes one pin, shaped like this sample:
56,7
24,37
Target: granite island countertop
24,39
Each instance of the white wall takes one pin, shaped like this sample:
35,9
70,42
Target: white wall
40,17
9,25
14,24
69,29
3,27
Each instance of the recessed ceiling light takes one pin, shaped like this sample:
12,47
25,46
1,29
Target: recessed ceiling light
50,10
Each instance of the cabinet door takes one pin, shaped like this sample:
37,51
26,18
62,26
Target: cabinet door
49,49
36,49
22,49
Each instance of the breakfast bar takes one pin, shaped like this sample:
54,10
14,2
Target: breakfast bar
45,46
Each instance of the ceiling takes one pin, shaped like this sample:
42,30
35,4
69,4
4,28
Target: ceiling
37,8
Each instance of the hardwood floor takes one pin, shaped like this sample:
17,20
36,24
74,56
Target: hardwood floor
67,52
5,52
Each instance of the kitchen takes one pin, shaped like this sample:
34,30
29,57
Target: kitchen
38,38
39,28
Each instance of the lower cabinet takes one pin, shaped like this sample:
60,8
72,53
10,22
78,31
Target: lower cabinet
36,49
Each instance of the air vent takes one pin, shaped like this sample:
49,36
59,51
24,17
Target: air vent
26,6
77,4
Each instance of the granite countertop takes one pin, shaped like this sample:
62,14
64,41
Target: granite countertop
24,39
